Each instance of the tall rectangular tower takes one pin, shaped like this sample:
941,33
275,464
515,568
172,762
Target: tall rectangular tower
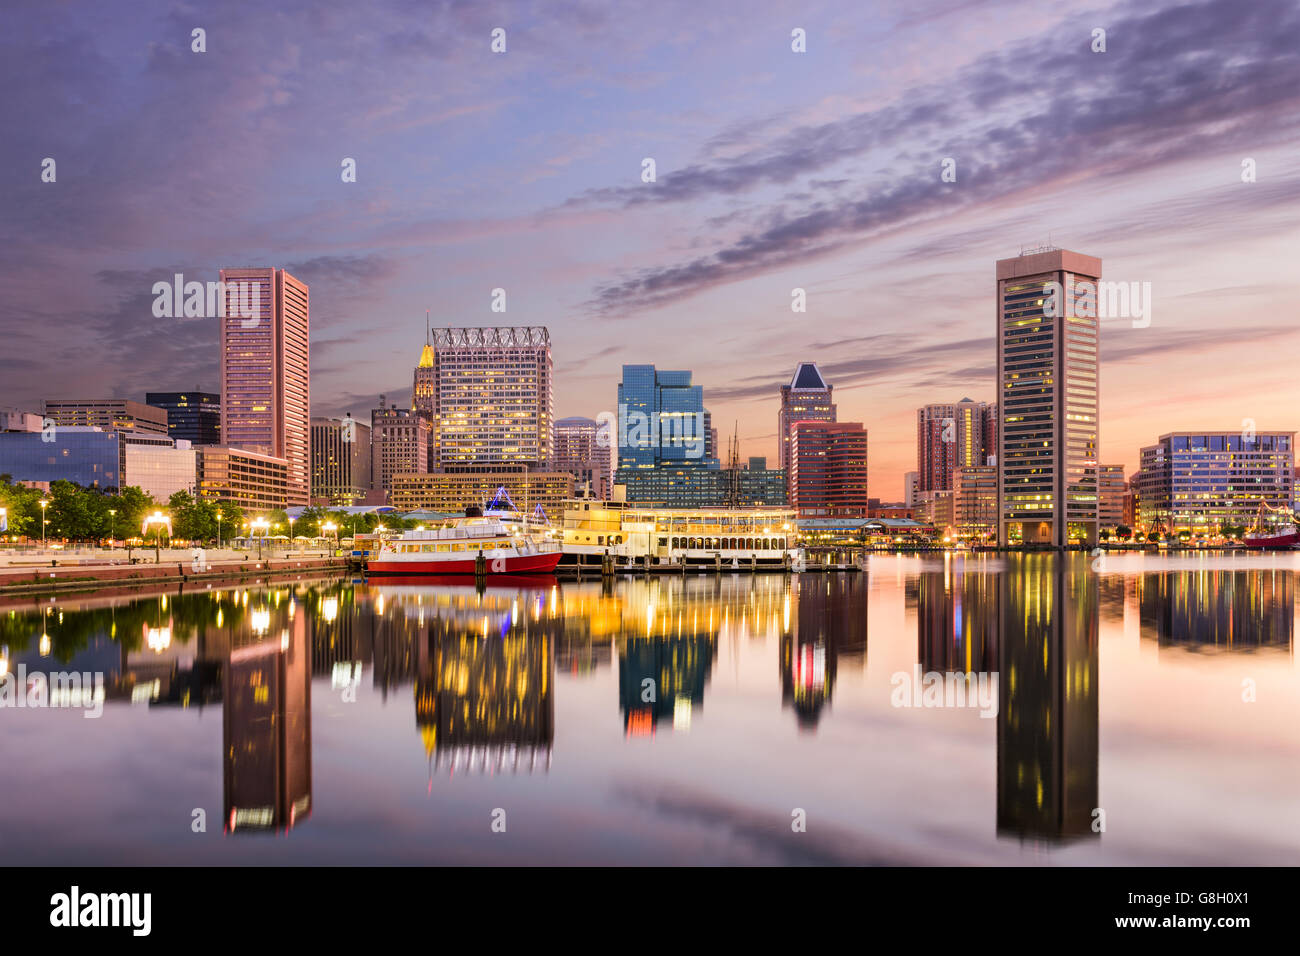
806,399
1047,340
492,392
266,370
949,437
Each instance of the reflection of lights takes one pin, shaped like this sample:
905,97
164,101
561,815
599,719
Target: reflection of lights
329,609
260,620
514,613
284,639
157,639
682,713
379,605
45,645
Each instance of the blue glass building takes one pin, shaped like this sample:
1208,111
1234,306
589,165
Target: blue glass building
663,440
87,456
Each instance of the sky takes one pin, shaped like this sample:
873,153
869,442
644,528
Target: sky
775,170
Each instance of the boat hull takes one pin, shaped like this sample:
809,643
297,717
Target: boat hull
1274,542
541,563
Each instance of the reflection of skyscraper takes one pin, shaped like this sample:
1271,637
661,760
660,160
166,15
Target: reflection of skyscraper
266,725
1221,609
957,620
1047,697
830,623
486,704
662,677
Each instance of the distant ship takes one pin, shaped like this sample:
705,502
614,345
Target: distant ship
456,548
1275,538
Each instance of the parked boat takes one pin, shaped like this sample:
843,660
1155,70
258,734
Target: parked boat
455,549
1272,537
713,539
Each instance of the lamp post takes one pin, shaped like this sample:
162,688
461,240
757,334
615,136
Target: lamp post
218,529
329,526
291,534
163,521
44,504
113,538
260,524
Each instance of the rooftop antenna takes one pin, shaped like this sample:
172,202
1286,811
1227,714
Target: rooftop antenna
427,329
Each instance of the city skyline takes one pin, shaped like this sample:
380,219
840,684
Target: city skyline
817,171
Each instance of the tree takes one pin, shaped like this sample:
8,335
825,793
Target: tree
1103,535
1123,532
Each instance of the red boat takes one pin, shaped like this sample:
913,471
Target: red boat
1276,539
457,548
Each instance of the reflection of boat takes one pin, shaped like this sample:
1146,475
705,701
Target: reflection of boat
519,581
474,544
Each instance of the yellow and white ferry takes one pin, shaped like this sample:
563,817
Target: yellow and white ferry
637,536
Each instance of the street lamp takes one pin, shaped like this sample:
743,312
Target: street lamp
291,533
218,529
44,504
111,540
260,524
163,521
329,526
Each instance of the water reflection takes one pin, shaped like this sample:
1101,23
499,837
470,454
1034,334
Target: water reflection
1218,609
830,623
479,669
1048,699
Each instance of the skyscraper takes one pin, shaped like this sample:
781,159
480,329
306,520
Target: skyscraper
949,437
1047,382
828,464
492,396
340,460
582,448
807,398
266,369
424,392
399,444
194,417
662,440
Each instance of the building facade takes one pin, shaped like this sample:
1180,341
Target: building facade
663,440
1048,401
399,444
340,460
250,480
975,502
807,397
492,396
457,487
107,414
583,449
949,437
266,370
1112,488
160,470
828,469
194,417
87,456
17,420
1200,481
